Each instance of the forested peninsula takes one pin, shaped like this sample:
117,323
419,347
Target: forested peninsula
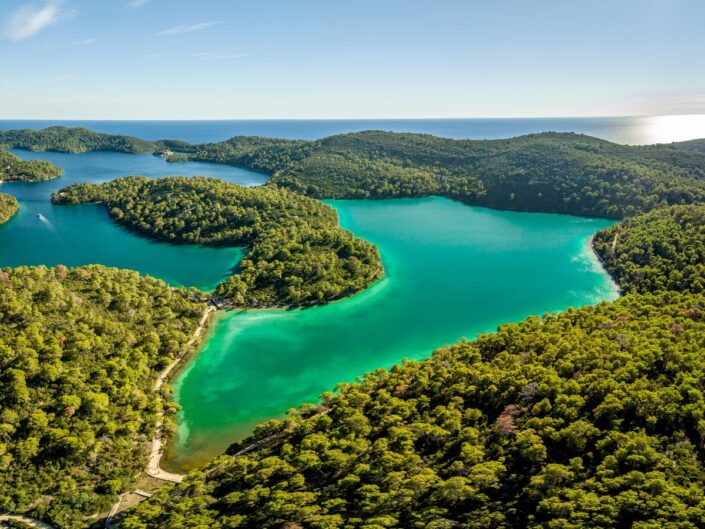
549,172
80,350
14,169
8,207
297,253
588,418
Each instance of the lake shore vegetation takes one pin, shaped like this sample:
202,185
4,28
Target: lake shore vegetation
80,350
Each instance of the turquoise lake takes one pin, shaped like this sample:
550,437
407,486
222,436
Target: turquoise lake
452,271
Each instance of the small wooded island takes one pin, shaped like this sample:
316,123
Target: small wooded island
588,418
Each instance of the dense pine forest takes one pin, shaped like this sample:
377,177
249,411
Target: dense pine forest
8,207
660,250
14,169
553,172
71,140
298,255
589,418
550,172
693,145
79,353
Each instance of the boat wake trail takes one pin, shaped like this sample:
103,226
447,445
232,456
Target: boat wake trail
46,222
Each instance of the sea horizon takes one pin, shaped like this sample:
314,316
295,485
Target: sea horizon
631,130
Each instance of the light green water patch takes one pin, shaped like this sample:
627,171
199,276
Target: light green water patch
452,271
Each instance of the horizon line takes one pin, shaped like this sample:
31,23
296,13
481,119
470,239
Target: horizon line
604,116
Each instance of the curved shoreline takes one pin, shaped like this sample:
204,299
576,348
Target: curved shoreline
602,263
153,468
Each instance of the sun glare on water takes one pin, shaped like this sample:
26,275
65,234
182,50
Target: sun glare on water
667,129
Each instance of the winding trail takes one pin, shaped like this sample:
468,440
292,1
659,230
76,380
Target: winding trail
614,244
109,519
155,456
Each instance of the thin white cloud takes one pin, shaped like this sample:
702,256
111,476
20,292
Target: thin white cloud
213,56
28,20
62,77
177,30
84,42
138,3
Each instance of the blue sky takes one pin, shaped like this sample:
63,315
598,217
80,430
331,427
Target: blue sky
230,59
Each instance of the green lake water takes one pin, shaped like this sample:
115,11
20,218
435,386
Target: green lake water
452,271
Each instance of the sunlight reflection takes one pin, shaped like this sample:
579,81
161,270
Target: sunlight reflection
666,129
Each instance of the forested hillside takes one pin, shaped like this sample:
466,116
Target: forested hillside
565,173
8,207
298,255
664,249
588,418
73,140
554,172
14,169
79,353
544,172
691,145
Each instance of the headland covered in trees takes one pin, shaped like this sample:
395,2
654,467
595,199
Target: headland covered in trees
589,418
14,169
298,255
8,207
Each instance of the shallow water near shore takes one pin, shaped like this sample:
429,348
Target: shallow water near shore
452,271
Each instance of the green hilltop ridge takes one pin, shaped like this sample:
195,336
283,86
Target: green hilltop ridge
14,169
691,145
8,207
80,350
298,255
592,418
549,172
72,140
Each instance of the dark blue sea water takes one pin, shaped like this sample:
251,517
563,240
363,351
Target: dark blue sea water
630,130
